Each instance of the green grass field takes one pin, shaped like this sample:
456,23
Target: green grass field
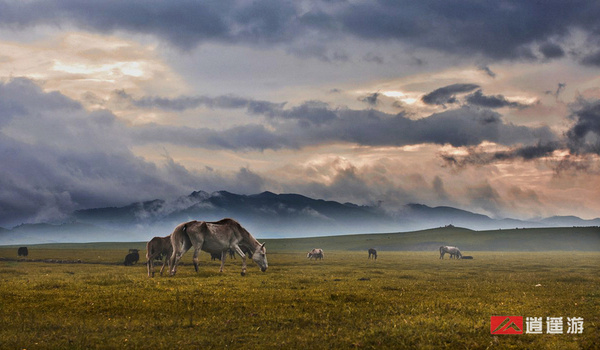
403,300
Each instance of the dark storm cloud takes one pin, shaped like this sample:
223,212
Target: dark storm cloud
191,102
551,50
501,30
57,157
476,157
581,141
493,29
183,23
497,101
584,136
447,94
314,123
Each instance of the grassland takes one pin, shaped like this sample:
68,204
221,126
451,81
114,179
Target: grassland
403,300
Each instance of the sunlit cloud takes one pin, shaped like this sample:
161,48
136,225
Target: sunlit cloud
78,63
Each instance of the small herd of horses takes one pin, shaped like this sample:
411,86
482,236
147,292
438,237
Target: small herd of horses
220,238
223,238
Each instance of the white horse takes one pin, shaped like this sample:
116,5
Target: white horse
453,251
316,253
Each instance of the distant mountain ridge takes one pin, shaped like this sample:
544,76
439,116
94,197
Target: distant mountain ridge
266,215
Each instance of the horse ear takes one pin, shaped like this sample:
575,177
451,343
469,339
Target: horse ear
263,245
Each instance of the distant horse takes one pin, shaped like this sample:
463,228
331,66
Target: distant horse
453,251
216,237
316,253
22,251
372,253
157,247
132,258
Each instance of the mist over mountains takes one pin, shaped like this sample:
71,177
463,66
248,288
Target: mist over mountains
265,215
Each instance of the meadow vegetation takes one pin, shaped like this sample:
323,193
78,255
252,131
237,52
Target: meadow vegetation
402,300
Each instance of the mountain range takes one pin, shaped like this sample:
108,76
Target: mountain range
266,215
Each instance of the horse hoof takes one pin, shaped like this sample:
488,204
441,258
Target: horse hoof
243,273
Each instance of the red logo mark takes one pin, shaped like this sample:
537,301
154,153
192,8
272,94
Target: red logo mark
506,325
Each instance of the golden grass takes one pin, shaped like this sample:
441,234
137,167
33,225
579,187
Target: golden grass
403,300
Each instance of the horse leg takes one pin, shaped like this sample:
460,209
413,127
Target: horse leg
195,259
223,257
241,253
178,251
149,266
175,257
165,262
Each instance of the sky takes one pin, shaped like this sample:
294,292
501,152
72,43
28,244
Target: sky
487,106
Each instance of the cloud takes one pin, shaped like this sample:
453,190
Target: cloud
371,99
479,157
57,157
561,87
495,30
551,50
592,59
487,198
584,135
446,95
487,70
497,101
438,188
183,103
316,123
578,143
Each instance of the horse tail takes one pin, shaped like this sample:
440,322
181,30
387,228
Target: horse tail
148,250
180,235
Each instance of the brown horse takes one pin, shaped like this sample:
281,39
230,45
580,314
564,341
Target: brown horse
216,237
156,247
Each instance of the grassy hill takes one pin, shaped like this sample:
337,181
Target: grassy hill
535,239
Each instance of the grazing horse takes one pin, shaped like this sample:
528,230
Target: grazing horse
132,258
372,253
453,251
216,237
157,247
316,253
22,251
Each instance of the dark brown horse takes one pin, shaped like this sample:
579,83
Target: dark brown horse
156,247
372,253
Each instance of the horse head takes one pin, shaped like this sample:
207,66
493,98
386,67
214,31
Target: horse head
260,257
